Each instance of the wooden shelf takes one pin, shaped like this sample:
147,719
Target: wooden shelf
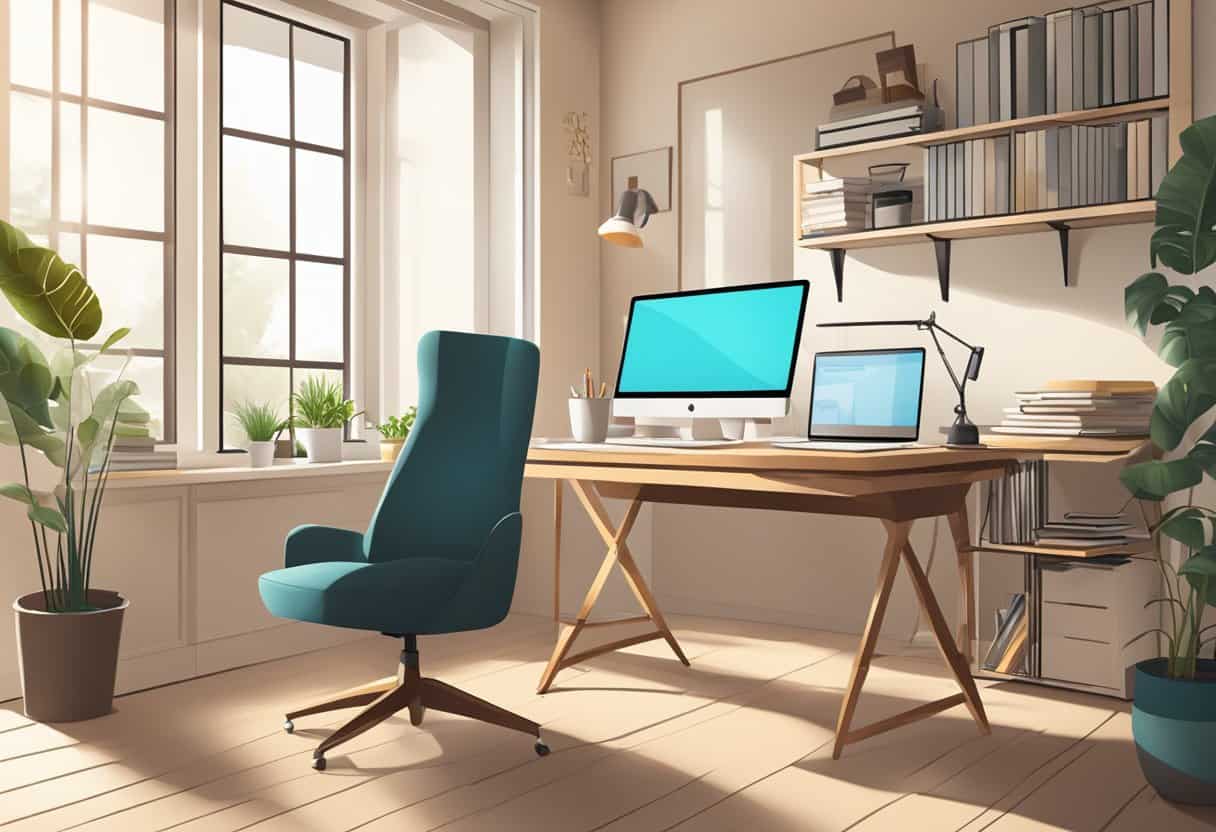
1129,549
1087,216
994,128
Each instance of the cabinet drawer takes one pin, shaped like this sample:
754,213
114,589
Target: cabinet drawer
1083,662
1090,623
1080,584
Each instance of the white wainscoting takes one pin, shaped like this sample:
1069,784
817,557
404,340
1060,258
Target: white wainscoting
187,551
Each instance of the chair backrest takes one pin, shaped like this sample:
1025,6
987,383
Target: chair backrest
461,470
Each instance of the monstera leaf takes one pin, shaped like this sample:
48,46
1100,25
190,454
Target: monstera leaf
49,293
1189,394
1191,333
1185,239
26,381
1150,299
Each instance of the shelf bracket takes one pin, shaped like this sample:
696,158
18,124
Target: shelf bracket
941,246
837,255
1062,229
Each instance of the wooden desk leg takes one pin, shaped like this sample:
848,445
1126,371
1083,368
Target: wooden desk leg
959,665
897,546
966,575
897,537
557,551
618,555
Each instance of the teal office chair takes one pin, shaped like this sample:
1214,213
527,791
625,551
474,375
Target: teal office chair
442,549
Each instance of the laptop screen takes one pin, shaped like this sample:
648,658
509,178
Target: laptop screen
867,394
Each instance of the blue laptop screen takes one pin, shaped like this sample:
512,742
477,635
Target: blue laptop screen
867,394
735,341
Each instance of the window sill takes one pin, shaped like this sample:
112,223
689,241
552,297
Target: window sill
242,473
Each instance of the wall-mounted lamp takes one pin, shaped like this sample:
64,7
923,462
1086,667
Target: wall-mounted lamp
632,214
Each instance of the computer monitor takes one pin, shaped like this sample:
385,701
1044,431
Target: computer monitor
724,353
873,395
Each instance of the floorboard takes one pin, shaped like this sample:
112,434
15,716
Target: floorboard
742,740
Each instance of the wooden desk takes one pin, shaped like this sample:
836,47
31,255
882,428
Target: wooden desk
894,487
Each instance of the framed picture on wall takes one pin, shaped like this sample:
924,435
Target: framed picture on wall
649,170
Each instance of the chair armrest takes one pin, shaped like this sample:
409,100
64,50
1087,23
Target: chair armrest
490,584
318,544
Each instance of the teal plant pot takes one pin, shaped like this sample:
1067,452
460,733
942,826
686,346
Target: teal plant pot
1174,724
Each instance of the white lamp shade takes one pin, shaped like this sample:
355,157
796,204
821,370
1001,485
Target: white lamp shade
622,232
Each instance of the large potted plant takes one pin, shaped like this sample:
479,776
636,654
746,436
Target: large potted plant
68,631
320,414
1174,718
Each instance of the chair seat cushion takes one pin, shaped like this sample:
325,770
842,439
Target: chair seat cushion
400,596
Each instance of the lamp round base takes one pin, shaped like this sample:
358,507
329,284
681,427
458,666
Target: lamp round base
963,434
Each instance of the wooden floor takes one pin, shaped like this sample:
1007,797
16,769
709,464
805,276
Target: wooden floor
740,741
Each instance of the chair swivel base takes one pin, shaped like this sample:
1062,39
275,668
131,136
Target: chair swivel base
408,690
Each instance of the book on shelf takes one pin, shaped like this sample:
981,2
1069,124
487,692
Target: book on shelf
1081,407
1007,653
1099,387
905,121
1016,504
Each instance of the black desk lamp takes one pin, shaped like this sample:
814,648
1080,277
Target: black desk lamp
962,432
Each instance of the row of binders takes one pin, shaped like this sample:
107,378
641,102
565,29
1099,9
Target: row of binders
1073,59
1017,504
1055,167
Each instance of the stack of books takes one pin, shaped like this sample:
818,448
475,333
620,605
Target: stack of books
1082,530
1082,408
1010,646
134,443
1068,60
835,206
889,123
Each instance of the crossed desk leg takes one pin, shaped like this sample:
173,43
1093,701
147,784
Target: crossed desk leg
897,547
617,555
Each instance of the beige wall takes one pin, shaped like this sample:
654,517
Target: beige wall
1006,294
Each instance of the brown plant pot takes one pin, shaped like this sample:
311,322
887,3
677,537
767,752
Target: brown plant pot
390,449
68,660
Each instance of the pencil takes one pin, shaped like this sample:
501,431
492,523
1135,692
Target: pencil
603,388
587,382
573,392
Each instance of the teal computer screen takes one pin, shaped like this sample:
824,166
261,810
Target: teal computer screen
740,341
870,392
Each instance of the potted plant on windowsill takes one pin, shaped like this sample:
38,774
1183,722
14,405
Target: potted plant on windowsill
261,423
1174,718
320,416
393,433
68,632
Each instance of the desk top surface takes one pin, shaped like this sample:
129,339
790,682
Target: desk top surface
761,456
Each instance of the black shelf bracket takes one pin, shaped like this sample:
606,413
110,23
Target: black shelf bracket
941,247
837,255
1062,229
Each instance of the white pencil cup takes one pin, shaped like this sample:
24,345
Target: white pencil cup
589,419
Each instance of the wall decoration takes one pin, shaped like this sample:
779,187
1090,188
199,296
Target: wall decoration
649,170
578,153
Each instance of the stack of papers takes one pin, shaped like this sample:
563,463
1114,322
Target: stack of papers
1081,530
1082,408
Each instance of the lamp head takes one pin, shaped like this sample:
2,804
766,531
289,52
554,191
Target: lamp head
631,215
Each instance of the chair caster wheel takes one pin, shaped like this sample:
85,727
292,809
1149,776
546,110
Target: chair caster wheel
541,749
289,727
318,763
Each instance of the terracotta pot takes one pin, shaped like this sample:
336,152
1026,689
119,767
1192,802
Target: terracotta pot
68,660
390,449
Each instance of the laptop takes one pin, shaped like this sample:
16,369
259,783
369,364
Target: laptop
864,400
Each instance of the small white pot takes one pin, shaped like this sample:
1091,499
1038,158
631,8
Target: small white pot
321,444
589,419
261,454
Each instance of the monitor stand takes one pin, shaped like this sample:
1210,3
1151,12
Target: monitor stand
731,430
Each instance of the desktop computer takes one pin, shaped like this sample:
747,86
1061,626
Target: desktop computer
724,355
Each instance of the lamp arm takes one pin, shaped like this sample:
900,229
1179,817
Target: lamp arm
932,324
958,385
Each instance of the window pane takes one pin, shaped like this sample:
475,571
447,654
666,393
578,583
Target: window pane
146,371
30,162
69,46
256,194
261,385
256,307
319,203
126,170
320,68
129,278
331,376
127,52
319,333
256,91
71,173
69,248
30,43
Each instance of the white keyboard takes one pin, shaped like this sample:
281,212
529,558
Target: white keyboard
845,446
